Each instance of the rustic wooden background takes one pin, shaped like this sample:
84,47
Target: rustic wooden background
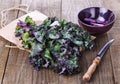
14,68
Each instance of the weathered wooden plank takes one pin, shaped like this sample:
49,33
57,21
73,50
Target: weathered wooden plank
4,51
3,57
115,48
18,66
70,10
18,70
114,33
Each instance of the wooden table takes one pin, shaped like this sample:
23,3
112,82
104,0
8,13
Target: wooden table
15,69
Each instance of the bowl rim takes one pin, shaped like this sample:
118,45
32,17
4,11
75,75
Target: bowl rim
93,25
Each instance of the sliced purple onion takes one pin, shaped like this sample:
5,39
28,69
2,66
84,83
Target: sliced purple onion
89,20
106,22
102,22
99,22
95,24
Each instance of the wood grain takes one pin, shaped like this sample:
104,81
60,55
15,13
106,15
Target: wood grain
14,65
114,33
22,72
5,51
3,57
69,11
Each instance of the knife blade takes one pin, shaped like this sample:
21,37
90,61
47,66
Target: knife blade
96,61
105,48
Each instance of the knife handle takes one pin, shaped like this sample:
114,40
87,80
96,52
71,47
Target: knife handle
91,69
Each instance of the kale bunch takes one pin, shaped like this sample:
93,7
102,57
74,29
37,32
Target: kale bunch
55,46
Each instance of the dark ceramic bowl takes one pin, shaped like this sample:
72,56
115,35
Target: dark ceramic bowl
96,20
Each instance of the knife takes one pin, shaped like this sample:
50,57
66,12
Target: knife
96,61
